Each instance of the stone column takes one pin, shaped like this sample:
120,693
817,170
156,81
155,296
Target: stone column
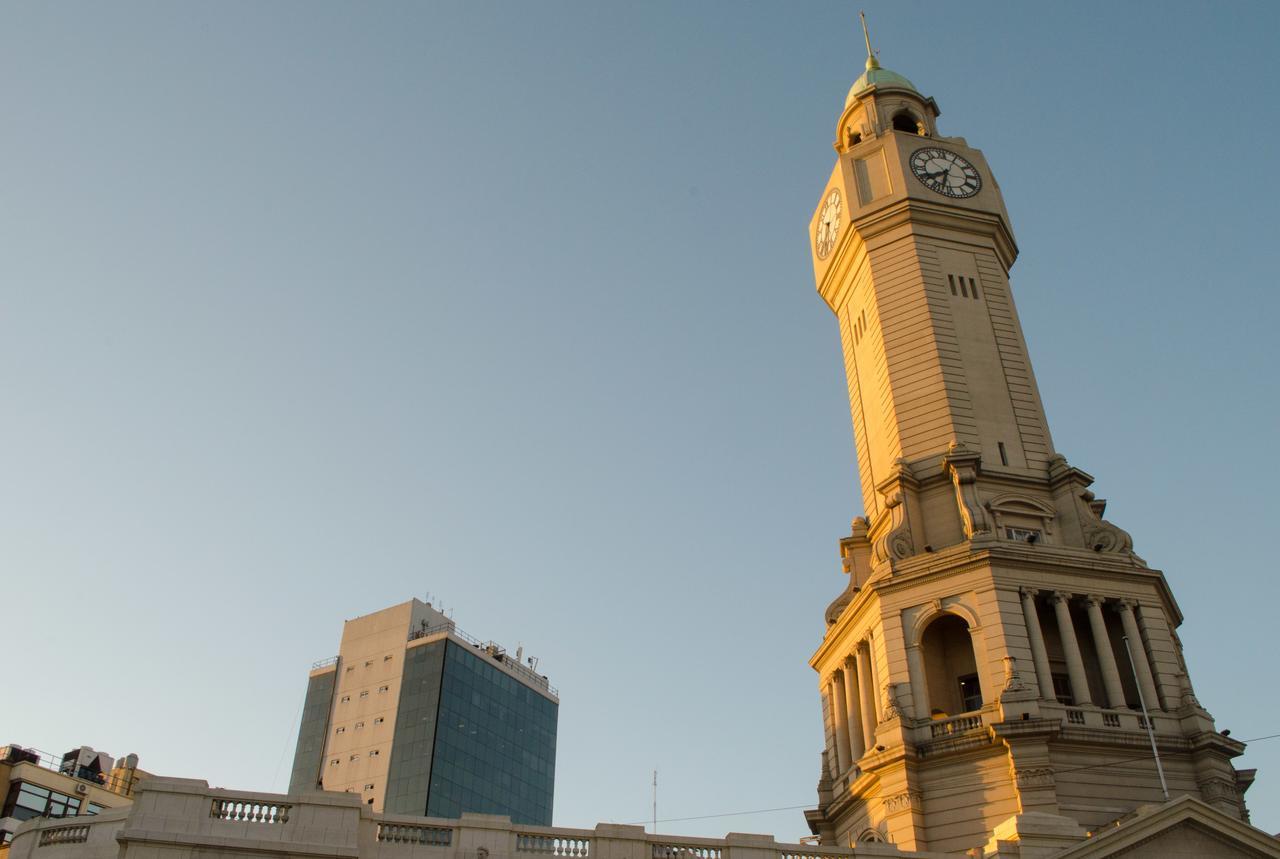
1071,648
1039,655
867,686
838,710
1106,656
919,682
857,745
1146,680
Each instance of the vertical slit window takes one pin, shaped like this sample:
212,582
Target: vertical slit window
964,291
1004,457
973,284
951,279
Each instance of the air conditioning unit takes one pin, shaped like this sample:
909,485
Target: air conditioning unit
80,788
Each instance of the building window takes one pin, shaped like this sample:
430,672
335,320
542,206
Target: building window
334,762
354,758
342,730
94,808
970,692
369,786
364,694
350,668
26,801
374,753
368,662
1023,535
359,725
345,699
1062,689
379,720
387,658
382,689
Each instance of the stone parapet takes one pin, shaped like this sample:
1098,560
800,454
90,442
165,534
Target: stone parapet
177,818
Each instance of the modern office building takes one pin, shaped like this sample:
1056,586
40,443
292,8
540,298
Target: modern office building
417,717
81,782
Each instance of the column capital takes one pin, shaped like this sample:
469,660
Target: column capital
1060,597
1028,593
1093,599
850,662
1126,604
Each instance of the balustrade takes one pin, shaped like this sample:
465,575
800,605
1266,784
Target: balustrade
64,835
249,811
1075,717
956,725
407,833
684,851
551,845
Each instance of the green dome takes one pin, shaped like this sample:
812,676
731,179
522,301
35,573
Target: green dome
879,77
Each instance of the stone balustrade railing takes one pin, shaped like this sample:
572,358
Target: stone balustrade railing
174,818
250,811
64,835
954,725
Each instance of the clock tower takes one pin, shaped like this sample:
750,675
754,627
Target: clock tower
1000,661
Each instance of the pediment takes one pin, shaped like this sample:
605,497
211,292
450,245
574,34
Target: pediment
1185,827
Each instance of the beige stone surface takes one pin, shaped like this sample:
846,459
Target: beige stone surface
988,601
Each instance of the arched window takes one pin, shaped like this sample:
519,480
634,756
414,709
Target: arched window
904,120
950,667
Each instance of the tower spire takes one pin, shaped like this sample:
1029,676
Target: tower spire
872,62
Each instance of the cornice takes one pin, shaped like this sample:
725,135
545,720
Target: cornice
904,211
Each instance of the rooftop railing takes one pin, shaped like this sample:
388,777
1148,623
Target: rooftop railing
114,781
492,649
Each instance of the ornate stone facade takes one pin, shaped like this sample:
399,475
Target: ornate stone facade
1027,655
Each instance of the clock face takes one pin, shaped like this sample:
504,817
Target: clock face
828,224
945,172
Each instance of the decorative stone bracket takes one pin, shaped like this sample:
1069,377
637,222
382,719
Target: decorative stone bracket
962,465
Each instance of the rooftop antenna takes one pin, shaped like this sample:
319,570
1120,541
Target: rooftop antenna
872,62
655,802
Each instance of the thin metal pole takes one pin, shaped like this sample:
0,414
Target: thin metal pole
1146,718
655,802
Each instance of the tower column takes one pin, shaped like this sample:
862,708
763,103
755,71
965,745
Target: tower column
1106,656
867,686
1138,648
1039,654
1071,648
839,708
857,745
919,682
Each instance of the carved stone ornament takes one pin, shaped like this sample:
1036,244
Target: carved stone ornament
901,802
892,704
895,544
961,465
839,604
1189,698
1012,678
1034,777
1218,789
1102,536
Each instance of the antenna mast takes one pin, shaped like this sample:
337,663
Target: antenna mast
872,62
655,802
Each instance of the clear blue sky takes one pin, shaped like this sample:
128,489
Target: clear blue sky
308,308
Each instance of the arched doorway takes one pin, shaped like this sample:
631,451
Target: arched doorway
951,671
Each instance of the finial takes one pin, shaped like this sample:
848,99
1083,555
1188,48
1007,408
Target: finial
872,62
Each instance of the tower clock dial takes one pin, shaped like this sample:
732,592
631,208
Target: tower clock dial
828,224
945,172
